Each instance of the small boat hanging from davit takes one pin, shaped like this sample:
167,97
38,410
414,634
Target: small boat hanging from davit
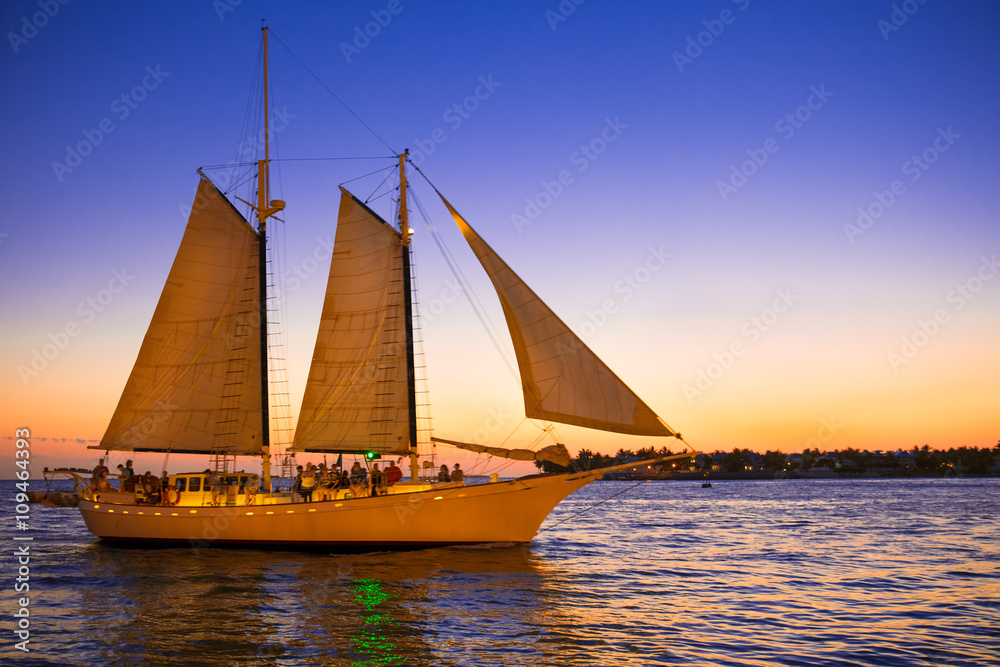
200,386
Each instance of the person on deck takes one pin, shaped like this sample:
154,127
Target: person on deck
327,482
379,482
393,474
95,475
359,481
128,478
308,483
443,475
102,483
457,475
212,485
358,474
152,486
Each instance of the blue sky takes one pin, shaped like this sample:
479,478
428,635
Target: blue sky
645,110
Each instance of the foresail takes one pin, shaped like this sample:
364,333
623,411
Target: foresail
356,394
557,454
195,386
562,379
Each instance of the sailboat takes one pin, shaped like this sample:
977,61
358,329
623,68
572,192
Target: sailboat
200,385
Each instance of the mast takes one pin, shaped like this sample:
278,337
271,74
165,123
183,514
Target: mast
265,209
411,381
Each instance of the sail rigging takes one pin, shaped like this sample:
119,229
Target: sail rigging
561,378
200,385
195,386
356,396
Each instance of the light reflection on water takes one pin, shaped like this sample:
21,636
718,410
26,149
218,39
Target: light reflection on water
864,572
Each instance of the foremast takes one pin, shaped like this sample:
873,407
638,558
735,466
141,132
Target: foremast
411,380
265,208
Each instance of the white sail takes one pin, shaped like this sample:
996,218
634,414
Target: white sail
356,394
195,386
562,379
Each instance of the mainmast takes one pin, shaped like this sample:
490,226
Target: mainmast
411,381
265,208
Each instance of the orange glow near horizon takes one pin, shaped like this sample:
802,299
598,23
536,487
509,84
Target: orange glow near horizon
738,298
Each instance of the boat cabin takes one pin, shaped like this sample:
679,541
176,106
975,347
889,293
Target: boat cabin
195,490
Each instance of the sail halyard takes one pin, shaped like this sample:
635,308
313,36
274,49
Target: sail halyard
562,379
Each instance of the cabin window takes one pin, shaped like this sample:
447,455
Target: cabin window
181,483
195,484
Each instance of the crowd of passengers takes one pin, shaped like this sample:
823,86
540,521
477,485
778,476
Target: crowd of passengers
325,482
147,487
309,479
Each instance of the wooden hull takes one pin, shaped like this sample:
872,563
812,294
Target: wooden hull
498,512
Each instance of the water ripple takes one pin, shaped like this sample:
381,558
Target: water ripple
792,572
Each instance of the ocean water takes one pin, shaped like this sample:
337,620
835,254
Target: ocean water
789,572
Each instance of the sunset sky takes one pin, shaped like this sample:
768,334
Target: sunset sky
773,222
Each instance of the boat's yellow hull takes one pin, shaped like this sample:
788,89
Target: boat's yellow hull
498,512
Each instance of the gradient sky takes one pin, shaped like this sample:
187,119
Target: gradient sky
734,145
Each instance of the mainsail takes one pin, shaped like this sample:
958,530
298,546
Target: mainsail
195,386
356,395
562,379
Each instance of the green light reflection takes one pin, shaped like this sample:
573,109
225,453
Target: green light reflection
372,644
